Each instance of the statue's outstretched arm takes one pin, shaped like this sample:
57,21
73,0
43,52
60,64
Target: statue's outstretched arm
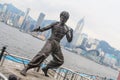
44,28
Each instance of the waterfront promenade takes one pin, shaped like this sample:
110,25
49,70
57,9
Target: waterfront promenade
8,69
25,45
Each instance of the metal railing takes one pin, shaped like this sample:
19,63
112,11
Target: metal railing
66,74
61,73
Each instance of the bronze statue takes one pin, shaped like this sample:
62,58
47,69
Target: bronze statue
52,46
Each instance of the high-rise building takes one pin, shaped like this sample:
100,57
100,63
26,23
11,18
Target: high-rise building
31,27
27,26
40,19
20,20
83,40
109,59
25,18
26,13
16,20
7,18
92,44
4,9
80,25
77,34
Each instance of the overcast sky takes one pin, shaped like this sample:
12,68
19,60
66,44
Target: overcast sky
102,17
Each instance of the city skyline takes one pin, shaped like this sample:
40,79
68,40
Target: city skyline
101,17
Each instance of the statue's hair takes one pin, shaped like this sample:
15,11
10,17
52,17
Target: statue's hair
65,14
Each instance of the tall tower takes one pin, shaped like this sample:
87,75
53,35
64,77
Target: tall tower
4,8
77,33
80,25
26,13
40,19
25,18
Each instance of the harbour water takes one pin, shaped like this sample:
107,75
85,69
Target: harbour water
25,45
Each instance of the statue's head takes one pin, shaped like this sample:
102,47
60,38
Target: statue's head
12,77
64,16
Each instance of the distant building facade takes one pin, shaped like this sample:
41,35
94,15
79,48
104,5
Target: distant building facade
92,44
25,18
77,34
40,20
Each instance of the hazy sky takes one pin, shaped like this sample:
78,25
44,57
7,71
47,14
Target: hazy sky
101,16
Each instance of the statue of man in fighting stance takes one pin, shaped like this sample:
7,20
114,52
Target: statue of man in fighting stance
52,45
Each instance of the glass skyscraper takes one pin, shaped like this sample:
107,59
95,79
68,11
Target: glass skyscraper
25,18
77,33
